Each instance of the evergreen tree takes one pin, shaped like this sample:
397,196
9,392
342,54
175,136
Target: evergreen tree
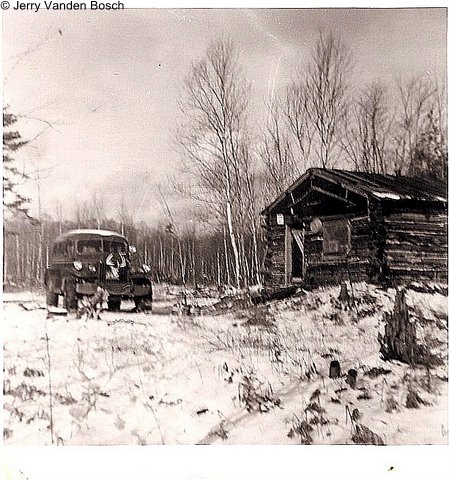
13,202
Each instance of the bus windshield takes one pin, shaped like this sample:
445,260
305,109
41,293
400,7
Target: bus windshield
89,247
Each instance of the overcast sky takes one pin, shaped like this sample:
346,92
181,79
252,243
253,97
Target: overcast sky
109,82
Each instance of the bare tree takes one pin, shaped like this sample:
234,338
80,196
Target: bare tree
326,88
417,97
173,232
440,109
213,137
366,140
277,152
429,155
124,216
98,210
296,113
84,215
250,205
59,215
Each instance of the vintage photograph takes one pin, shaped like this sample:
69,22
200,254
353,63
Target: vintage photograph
224,226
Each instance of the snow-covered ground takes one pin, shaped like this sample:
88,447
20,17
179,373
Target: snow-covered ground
254,376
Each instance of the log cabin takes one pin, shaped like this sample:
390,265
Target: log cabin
334,225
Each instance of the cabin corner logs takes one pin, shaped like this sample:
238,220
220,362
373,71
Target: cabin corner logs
334,225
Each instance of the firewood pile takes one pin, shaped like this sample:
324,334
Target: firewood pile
189,304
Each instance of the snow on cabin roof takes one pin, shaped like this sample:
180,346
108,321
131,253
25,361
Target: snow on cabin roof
100,233
388,187
389,195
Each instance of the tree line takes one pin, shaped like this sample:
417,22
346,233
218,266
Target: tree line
184,257
233,165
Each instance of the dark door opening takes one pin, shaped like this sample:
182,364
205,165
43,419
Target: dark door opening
297,255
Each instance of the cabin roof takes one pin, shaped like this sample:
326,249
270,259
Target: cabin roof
374,185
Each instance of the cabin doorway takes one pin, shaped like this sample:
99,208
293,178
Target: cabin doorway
297,255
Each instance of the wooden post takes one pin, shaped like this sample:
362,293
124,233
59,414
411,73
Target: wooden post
288,255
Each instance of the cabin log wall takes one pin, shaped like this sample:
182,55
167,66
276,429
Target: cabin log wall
275,258
415,246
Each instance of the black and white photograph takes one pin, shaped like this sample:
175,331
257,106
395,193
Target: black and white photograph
224,226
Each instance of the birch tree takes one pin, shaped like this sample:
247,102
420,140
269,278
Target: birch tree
213,137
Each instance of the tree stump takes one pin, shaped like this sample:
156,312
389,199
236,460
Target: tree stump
351,378
334,369
410,338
